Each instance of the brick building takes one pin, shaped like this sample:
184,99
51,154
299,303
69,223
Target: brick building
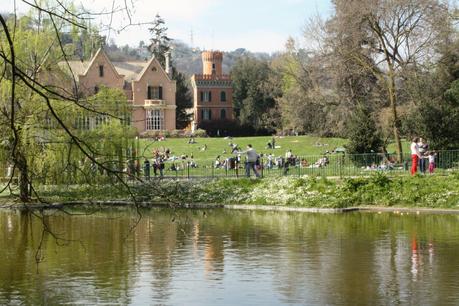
212,91
149,88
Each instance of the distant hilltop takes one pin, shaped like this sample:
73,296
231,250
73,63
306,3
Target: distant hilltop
186,59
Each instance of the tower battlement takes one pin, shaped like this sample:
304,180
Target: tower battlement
212,62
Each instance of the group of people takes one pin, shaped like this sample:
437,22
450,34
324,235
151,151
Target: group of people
157,164
421,156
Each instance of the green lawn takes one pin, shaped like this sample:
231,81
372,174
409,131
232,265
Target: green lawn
300,145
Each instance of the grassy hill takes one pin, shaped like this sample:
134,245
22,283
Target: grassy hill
300,145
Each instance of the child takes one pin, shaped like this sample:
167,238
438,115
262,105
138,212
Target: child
432,155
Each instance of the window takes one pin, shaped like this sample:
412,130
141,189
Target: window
101,119
101,71
206,96
213,68
83,123
223,114
223,96
154,93
155,120
126,119
206,114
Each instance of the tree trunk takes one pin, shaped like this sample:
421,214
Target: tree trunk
21,164
393,105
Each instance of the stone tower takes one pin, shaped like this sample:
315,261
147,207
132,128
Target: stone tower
212,94
212,63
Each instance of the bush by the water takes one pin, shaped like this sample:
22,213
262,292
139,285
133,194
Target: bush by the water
376,190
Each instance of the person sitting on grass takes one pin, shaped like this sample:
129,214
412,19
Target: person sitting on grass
304,163
193,164
218,162
322,162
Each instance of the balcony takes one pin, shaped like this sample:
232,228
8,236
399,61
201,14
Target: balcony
154,103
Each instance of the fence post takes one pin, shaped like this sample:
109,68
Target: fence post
212,167
262,167
188,170
299,168
339,165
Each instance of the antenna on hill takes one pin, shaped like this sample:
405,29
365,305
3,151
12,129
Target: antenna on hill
192,39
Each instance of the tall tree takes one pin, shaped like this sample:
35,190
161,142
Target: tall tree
252,96
398,34
159,47
159,41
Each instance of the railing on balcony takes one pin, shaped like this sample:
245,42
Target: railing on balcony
153,103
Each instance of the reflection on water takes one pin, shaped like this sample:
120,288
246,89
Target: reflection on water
223,257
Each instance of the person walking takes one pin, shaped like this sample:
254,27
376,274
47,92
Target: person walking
146,169
250,163
288,160
415,155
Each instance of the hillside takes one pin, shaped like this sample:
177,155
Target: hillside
186,59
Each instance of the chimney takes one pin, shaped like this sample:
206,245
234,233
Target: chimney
168,67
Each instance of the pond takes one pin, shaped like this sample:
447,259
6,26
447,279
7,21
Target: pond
223,257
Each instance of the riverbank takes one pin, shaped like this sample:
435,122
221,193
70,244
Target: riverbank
378,191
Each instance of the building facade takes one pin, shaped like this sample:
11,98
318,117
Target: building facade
148,86
212,91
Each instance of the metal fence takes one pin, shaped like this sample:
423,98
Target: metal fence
329,165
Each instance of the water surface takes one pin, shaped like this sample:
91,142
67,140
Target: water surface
221,257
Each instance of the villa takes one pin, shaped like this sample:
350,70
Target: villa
148,86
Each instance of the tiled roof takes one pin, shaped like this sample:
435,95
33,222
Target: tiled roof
131,69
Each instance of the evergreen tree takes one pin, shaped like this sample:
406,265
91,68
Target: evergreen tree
160,45
362,132
159,41
183,99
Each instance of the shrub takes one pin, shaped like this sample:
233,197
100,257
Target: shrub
200,133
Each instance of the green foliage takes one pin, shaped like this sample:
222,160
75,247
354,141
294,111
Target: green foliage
160,42
362,133
252,95
377,190
437,120
183,99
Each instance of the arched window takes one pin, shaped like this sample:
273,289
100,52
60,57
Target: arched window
223,96
223,114
206,114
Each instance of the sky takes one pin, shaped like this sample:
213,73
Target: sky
256,25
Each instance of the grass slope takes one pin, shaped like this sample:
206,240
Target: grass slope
300,145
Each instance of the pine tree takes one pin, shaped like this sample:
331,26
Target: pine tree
159,41
363,135
160,45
